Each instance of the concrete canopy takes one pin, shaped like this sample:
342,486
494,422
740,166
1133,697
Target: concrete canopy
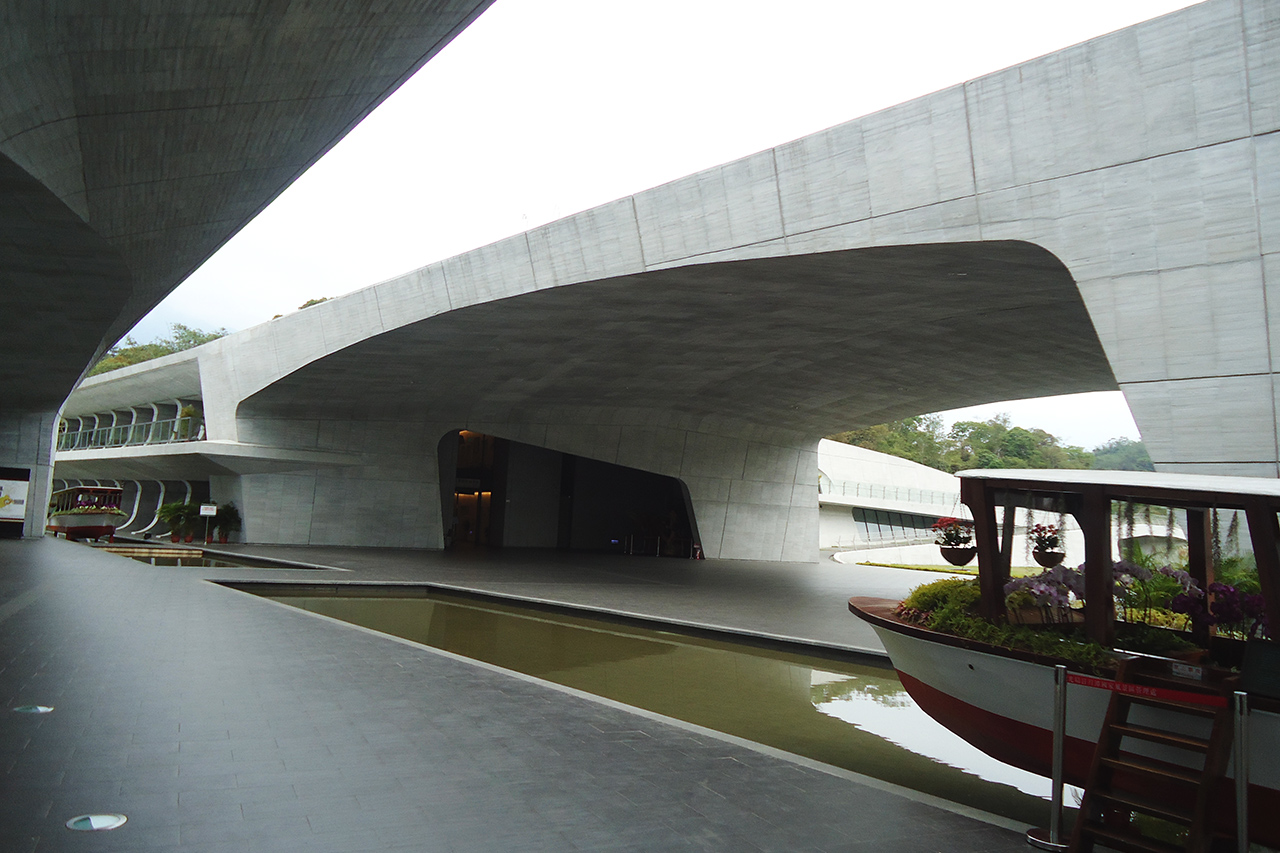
810,344
133,145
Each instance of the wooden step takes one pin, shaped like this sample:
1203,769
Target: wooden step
1161,736
1128,842
1165,771
1141,804
1206,711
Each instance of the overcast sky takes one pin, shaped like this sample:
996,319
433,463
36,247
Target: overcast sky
543,108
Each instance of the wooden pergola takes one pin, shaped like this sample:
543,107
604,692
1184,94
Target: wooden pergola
1088,496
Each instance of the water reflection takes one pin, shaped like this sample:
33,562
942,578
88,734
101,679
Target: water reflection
853,716
895,717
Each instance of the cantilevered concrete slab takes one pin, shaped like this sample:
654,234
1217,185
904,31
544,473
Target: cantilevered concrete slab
133,144
1101,216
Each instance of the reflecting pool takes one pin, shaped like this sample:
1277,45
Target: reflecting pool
840,710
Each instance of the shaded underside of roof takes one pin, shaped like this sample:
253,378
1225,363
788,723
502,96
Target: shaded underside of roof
810,343
134,142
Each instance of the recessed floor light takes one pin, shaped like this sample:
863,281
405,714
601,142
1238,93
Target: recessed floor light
96,822
33,709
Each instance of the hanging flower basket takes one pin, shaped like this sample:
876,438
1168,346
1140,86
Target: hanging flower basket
1047,539
1048,558
958,555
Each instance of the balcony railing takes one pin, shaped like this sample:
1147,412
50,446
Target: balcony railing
129,435
895,493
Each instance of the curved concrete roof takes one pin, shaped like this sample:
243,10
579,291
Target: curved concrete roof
811,343
133,145
1138,162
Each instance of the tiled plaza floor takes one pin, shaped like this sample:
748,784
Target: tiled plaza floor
802,602
221,722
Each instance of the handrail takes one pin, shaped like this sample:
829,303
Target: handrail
854,489
131,435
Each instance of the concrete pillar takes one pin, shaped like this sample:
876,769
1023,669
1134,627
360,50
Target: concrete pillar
26,442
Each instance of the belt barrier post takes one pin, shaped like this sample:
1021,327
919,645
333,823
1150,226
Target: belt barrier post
1036,837
1241,771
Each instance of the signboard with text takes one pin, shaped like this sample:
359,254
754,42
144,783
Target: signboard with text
13,500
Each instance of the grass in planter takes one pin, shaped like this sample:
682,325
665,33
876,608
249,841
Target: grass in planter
1152,639
1016,571
951,607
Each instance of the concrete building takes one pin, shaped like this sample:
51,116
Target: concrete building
133,145
1101,217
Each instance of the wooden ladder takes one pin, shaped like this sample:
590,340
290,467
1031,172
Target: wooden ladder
1118,786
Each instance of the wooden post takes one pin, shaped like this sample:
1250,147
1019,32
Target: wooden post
1199,554
976,495
1200,562
1265,533
1008,522
1099,589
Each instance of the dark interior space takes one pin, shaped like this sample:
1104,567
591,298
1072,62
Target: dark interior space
507,494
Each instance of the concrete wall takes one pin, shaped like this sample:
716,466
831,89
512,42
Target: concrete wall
752,498
26,441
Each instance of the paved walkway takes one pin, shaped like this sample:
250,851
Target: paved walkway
799,602
218,721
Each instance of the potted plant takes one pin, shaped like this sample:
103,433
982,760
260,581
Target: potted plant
227,520
954,538
1046,598
1048,550
174,515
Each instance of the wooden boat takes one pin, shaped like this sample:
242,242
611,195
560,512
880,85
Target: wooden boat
86,512
1001,700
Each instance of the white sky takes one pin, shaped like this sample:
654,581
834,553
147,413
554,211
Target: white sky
543,108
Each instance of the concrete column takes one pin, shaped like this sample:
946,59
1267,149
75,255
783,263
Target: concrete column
27,441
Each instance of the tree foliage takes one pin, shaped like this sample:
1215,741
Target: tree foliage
986,444
129,351
1122,454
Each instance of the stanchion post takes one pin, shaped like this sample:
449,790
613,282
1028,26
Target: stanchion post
1036,837
1059,742
1241,771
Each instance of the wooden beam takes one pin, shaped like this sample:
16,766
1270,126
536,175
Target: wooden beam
1199,551
1200,562
1008,522
976,495
1099,589
1265,533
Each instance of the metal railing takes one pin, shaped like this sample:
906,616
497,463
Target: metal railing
895,493
128,435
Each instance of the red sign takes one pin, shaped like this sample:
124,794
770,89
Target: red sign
1144,690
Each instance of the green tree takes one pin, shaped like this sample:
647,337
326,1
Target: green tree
1122,454
919,439
311,302
129,351
969,444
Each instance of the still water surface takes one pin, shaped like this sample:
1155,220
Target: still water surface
852,715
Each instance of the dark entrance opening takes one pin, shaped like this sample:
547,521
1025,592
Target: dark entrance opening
500,493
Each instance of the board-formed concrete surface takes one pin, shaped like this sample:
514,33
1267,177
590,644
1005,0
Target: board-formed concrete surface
134,141
1104,215
222,723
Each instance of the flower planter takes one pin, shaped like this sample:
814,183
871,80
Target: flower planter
1045,616
1048,559
958,555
